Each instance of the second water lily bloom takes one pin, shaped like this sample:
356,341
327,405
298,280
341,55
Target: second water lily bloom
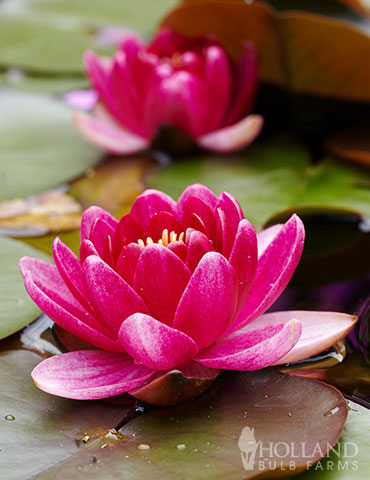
173,286
187,83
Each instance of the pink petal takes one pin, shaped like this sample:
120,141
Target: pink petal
217,77
89,374
123,86
99,231
232,138
209,301
67,320
99,75
274,271
86,249
45,276
155,344
252,350
128,230
110,295
230,216
127,262
177,99
243,259
196,206
265,237
69,267
160,279
179,249
88,218
149,203
320,330
108,137
107,253
245,86
198,246
197,190
81,99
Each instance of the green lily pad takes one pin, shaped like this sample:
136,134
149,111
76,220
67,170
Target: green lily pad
39,145
201,442
271,178
46,84
16,308
141,14
38,47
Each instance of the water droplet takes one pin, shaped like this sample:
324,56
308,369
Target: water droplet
181,446
143,446
266,396
289,414
9,418
85,439
195,450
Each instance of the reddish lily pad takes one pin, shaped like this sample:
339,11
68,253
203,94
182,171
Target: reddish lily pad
351,145
64,438
306,53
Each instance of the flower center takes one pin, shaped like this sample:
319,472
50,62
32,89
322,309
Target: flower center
165,240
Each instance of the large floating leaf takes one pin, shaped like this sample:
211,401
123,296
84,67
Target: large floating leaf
202,443
307,53
141,14
16,308
271,178
39,145
38,47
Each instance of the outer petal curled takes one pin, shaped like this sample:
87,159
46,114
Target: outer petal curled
252,350
320,330
234,137
89,374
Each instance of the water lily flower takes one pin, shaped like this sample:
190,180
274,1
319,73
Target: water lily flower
187,83
173,287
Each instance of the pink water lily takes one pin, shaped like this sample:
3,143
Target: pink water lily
187,83
173,286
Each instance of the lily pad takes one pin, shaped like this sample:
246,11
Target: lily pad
141,14
16,308
304,52
38,47
350,459
39,145
63,438
272,178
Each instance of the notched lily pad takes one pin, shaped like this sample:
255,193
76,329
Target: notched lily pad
16,308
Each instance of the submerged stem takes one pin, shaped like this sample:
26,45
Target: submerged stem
138,409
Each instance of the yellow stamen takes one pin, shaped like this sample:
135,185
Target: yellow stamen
181,237
165,237
149,241
141,242
160,242
173,237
